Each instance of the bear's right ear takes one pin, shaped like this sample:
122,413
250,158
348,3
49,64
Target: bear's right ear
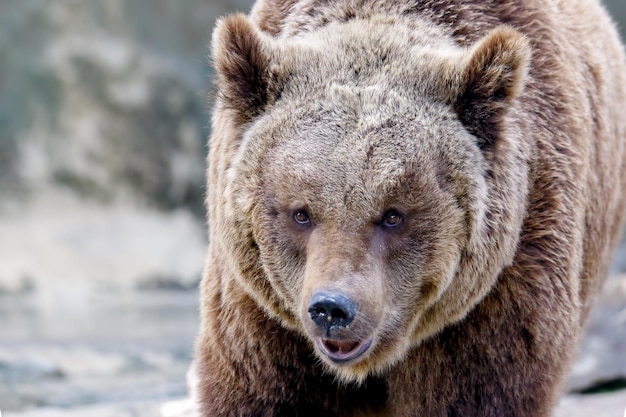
242,60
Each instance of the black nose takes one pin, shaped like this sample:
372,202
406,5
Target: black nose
331,310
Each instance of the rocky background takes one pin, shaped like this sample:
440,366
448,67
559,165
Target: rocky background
104,114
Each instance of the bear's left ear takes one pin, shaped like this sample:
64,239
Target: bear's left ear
492,77
242,56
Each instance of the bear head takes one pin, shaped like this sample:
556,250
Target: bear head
368,198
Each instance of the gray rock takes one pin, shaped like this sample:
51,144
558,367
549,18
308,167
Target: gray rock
107,99
135,409
597,405
602,355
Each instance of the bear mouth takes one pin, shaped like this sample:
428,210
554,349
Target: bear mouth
340,351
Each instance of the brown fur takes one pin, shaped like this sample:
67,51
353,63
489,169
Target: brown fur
492,127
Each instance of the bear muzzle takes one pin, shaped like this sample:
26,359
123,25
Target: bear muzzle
333,313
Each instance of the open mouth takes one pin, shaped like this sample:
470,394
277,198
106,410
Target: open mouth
343,351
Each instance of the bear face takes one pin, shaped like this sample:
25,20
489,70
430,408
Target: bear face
366,234
369,188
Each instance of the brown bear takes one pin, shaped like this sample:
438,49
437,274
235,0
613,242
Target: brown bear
411,205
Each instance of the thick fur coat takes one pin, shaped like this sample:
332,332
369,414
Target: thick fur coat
411,205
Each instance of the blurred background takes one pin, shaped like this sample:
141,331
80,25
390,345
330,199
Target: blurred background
104,115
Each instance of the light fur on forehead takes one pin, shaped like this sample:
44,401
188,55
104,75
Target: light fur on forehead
369,98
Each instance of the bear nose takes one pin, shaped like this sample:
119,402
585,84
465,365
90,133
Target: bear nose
331,310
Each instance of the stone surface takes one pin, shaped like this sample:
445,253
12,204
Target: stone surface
602,355
107,99
149,409
597,405
105,348
58,240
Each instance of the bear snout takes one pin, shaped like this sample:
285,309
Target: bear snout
333,317
331,311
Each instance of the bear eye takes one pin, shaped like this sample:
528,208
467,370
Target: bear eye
301,217
392,219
